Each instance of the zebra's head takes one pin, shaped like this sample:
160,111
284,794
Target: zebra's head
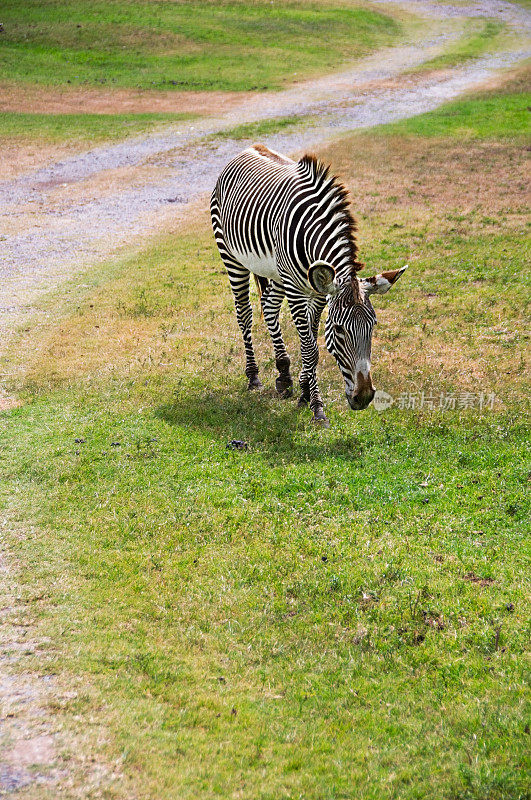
349,325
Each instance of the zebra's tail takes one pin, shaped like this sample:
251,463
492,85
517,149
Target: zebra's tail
261,285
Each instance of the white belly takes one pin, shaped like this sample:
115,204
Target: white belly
265,266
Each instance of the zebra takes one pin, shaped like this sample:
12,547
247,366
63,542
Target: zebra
289,223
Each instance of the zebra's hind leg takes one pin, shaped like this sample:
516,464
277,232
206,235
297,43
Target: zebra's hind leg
271,301
239,282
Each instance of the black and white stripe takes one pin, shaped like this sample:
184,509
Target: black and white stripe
289,224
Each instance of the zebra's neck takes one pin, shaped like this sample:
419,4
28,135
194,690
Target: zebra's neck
330,228
330,239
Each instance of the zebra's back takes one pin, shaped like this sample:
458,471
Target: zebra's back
247,204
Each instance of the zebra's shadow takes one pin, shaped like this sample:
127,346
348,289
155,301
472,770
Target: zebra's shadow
271,426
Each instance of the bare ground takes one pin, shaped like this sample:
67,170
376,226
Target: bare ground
38,759
75,100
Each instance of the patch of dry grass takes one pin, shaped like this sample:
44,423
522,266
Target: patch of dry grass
459,216
431,180
455,214
94,100
7,402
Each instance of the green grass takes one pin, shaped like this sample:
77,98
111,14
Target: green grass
309,602
187,45
498,116
479,38
263,128
81,127
328,614
315,602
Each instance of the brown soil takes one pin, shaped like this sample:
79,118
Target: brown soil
48,100
7,402
473,578
471,177
19,157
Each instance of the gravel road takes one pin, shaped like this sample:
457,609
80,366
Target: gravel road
67,215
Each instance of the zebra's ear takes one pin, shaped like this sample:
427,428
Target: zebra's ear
321,276
380,284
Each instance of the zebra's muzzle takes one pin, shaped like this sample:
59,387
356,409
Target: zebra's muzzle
363,395
359,401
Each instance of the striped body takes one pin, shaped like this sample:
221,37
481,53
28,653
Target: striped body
278,216
288,223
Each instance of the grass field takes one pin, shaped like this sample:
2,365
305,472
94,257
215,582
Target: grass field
480,37
502,115
232,46
263,128
80,127
328,614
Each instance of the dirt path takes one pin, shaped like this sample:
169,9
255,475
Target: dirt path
59,218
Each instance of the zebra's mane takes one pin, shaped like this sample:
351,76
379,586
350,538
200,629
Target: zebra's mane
337,190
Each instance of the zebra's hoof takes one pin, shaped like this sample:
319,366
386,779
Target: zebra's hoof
321,421
254,383
284,387
302,402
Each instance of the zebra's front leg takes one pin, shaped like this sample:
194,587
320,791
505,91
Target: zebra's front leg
315,310
239,282
271,303
308,380
310,357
